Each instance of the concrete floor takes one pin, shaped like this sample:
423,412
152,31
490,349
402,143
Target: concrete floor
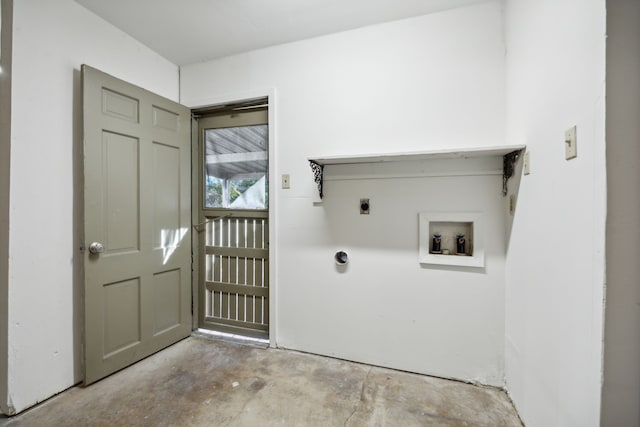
200,382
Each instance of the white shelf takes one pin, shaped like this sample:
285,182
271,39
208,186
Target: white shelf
458,153
319,162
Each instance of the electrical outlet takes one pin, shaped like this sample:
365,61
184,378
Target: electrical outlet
364,207
286,181
527,163
571,143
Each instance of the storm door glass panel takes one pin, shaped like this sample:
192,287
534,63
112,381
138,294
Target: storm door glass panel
236,161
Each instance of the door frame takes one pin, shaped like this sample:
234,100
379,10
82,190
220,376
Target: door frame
274,193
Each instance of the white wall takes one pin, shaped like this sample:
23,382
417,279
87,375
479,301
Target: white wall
621,386
555,263
430,82
5,153
51,40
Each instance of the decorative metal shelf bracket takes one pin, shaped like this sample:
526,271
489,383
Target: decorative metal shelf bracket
318,171
508,167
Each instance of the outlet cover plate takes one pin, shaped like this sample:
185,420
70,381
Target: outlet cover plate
286,181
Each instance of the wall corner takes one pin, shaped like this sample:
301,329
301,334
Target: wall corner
6,40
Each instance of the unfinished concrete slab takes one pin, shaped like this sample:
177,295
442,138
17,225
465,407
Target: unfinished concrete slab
200,382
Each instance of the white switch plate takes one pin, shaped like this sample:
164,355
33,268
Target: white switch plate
527,163
571,143
286,181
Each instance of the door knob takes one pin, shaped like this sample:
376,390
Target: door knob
96,248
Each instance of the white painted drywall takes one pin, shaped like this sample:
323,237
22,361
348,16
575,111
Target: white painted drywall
555,262
6,20
430,82
621,386
51,40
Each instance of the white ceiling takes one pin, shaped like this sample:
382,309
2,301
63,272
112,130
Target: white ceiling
189,31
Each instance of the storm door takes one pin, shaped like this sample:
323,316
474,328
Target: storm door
233,222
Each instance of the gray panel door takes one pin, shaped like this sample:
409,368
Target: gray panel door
137,222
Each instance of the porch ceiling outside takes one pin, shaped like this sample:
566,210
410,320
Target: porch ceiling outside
238,152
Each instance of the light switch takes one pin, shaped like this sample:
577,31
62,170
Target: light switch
527,163
571,143
286,182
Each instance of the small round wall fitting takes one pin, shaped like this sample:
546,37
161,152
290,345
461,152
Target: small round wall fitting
341,258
